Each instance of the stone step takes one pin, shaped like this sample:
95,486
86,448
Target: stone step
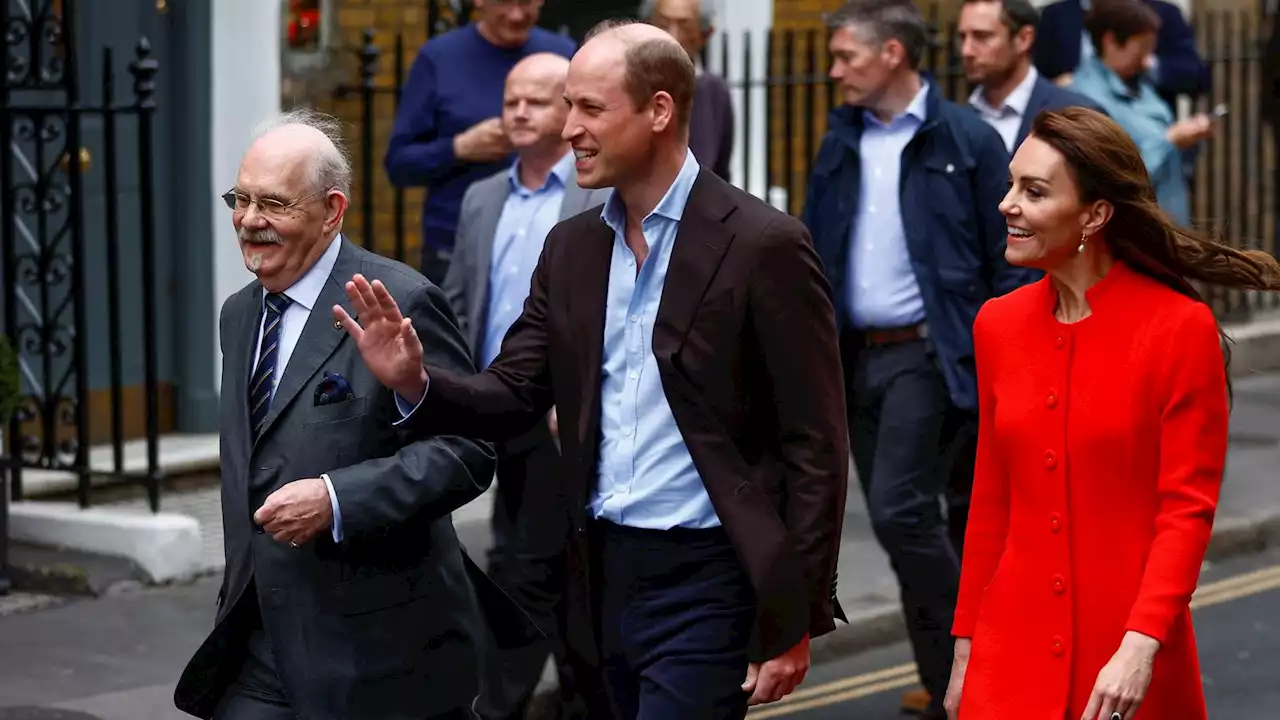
178,455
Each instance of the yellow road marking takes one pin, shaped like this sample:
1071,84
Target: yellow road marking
899,676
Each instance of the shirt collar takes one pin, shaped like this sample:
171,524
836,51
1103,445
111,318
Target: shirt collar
918,109
1017,101
560,172
1112,81
671,206
305,291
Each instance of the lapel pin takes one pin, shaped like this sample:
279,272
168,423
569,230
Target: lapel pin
951,168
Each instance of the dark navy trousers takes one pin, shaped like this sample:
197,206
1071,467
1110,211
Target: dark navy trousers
676,613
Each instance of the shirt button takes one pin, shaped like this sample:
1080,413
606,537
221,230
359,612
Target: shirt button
1056,646
1050,460
1059,343
627,432
1059,585
1055,522
1051,402
635,318
634,374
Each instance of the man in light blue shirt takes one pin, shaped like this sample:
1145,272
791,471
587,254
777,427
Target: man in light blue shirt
904,210
504,222
687,338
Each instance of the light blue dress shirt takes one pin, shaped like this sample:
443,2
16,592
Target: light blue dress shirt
646,476
1146,117
882,291
527,216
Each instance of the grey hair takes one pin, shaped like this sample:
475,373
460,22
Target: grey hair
331,165
879,21
705,16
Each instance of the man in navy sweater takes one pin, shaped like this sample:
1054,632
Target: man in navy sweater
448,131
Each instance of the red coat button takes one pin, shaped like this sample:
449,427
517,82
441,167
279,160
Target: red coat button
1059,343
1050,460
1051,402
1059,585
1055,522
1056,647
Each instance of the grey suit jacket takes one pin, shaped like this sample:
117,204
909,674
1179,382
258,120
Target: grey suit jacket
466,285
387,623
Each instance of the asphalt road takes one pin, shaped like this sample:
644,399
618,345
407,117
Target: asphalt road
116,658
1237,620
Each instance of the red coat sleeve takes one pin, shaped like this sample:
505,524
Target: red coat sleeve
1193,449
989,505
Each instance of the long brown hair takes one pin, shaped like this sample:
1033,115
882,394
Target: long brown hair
1106,165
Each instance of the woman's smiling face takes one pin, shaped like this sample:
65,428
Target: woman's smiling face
1043,209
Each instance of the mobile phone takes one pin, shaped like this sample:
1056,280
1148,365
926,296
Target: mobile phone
1221,110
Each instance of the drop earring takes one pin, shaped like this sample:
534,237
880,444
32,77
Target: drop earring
1080,247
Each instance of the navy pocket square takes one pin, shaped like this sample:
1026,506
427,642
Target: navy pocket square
333,389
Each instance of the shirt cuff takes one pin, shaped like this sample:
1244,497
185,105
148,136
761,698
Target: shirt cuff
407,410
337,510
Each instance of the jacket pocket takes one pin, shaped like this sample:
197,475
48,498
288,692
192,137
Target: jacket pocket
334,412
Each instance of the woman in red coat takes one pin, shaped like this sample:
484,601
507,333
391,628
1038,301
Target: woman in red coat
1103,402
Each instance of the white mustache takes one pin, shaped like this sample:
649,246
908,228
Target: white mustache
266,236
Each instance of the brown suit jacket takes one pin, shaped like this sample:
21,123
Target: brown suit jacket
746,346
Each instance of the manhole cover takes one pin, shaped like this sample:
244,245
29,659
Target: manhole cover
37,713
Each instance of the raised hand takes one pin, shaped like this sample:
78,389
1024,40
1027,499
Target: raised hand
386,339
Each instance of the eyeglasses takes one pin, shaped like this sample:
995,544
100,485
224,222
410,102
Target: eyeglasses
270,207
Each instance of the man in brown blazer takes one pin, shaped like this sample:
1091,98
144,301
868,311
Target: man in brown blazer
686,336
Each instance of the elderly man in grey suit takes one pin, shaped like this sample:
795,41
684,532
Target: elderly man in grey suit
346,593
505,219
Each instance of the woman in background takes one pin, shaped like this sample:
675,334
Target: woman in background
1103,403
1124,35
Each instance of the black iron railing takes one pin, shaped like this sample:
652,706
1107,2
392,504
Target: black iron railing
48,224
782,98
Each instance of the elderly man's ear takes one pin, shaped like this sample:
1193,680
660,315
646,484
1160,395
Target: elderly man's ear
335,208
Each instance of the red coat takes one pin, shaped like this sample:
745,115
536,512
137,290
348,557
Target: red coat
1100,457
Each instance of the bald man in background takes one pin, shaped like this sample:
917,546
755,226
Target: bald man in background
504,221
711,125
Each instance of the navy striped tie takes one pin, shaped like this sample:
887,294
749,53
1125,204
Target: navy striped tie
264,373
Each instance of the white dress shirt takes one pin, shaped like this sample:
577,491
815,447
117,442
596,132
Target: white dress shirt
303,294
1008,118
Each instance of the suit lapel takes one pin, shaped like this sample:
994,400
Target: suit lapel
487,227
591,278
700,244
240,357
1035,104
320,336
